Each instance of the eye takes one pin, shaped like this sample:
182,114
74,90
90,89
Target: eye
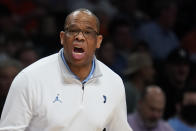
87,32
73,30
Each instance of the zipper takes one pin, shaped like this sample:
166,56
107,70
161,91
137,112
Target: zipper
83,83
83,86
83,91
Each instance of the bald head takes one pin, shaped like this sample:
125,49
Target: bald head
152,91
151,106
83,12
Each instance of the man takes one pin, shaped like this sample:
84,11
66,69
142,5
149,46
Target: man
186,116
139,73
68,91
174,77
150,110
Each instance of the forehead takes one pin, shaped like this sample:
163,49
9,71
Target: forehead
82,19
156,101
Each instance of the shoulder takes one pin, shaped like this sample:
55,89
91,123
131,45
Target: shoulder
36,71
42,66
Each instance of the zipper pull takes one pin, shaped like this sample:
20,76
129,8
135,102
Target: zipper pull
83,85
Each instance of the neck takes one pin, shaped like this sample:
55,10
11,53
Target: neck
81,71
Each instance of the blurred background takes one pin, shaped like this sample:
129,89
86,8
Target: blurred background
145,41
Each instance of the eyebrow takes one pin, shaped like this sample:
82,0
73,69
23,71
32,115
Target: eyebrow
75,26
88,27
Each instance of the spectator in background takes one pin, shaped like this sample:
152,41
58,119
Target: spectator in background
120,30
185,119
9,68
149,111
158,33
139,73
174,77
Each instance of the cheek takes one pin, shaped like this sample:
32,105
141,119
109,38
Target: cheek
92,45
67,43
145,112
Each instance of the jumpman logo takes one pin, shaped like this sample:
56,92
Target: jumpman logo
57,99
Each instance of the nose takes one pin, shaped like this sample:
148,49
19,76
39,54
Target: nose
79,36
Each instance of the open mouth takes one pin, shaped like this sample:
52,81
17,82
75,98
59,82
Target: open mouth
78,53
78,50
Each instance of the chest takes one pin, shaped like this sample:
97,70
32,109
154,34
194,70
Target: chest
70,105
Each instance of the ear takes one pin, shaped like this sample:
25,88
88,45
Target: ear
99,40
62,33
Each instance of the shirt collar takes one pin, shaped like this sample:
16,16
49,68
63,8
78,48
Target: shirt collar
67,67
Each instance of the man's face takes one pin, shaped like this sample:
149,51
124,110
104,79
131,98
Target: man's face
151,110
178,72
80,38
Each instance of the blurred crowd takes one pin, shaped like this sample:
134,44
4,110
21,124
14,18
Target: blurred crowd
151,44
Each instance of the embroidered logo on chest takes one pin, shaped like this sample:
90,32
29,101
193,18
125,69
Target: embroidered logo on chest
104,99
57,99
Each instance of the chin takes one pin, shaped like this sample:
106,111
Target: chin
151,124
79,62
